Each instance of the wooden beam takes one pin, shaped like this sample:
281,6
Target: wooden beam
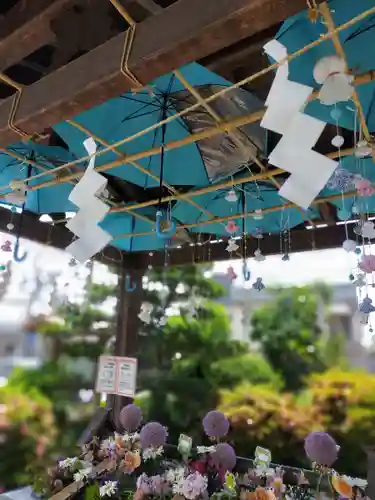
26,28
151,6
57,236
182,33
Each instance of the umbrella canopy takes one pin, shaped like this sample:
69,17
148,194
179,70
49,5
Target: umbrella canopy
251,197
195,164
357,40
42,201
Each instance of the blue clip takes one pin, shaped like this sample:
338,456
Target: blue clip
16,250
164,234
245,272
129,287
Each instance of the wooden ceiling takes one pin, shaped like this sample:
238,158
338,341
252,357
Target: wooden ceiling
67,53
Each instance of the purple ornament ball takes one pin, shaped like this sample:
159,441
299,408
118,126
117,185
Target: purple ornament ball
131,417
153,435
321,448
224,457
215,424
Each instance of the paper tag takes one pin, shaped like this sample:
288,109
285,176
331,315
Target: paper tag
262,457
117,375
185,444
127,376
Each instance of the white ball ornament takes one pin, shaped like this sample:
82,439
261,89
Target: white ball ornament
349,245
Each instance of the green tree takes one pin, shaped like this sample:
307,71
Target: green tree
289,330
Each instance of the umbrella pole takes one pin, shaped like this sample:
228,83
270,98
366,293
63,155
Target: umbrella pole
127,325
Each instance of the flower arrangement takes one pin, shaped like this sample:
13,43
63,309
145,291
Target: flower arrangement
139,464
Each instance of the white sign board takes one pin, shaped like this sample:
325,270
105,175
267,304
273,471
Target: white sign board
117,375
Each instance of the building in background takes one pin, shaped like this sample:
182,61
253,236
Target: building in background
340,318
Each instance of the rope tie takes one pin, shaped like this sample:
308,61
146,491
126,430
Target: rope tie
13,111
128,45
313,8
16,100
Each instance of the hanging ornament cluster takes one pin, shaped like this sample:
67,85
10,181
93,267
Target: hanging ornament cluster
365,148
258,285
232,246
18,193
331,73
231,274
231,196
231,227
145,313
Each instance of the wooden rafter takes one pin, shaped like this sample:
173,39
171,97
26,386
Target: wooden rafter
26,28
182,33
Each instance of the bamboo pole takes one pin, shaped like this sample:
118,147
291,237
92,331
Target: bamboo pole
216,220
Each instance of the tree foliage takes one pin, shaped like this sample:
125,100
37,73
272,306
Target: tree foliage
289,330
26,433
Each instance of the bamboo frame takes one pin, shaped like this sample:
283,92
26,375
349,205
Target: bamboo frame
362,79
221,127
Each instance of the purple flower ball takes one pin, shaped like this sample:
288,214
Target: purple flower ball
321,448
153,435
215,424
224,457
130,417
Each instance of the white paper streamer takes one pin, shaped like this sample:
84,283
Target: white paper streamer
309,170
91,237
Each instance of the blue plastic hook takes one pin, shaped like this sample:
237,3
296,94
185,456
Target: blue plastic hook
245,272
164,234
129,287
16,257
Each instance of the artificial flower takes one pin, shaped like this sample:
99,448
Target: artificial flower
152,453
364,187
82,474
68,463
130,462
108,489
231,227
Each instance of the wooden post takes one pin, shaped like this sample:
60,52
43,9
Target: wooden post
128,307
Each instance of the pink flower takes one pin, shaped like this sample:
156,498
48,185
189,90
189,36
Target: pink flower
367,263
231,273
231,227
364,187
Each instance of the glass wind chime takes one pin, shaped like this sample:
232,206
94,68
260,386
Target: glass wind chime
362,276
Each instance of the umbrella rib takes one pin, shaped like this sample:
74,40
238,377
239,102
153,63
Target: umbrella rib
137,166
194,92
124,96
326,14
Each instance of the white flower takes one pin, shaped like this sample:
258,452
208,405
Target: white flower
152,453
108,489
82,474
174,475
355,481
205,449
68,463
